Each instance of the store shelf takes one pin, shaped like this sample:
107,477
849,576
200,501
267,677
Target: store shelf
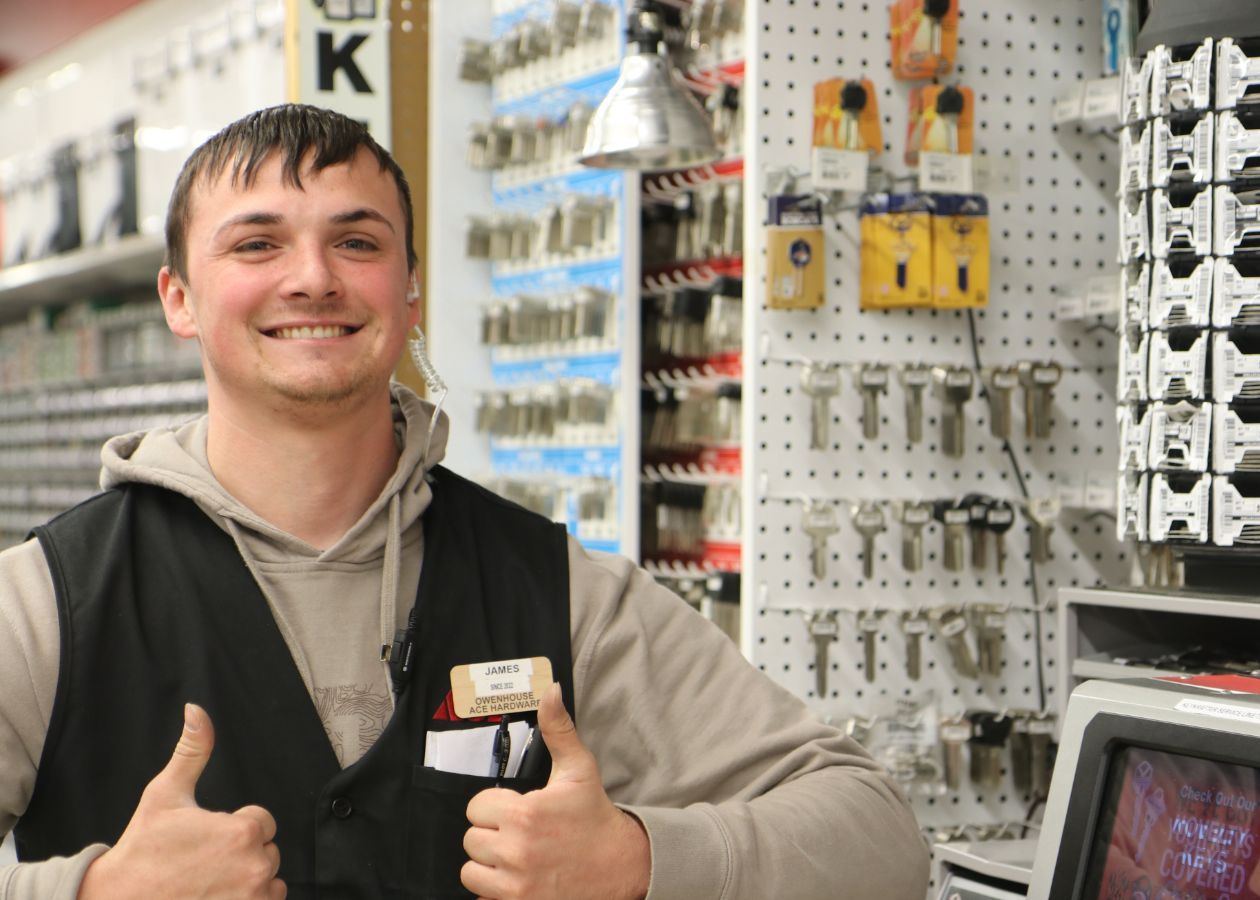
131,262
1096,626
1099,667
1196,604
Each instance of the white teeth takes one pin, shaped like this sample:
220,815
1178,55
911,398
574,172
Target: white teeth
307,333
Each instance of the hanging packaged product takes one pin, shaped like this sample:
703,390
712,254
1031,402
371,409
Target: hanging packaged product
896,232
846,115
941,117
924,37
846,134
960,251
795,260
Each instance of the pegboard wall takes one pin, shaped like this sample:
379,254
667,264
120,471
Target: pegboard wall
1053,227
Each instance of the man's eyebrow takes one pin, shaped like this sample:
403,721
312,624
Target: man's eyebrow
250,218
359,215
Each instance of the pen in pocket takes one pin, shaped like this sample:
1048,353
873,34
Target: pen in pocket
502,749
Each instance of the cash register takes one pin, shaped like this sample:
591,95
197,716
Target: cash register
1155,793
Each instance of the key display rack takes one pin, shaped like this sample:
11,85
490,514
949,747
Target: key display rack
1189,233
1050,230
942,663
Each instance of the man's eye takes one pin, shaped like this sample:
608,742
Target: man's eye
358,244
253,246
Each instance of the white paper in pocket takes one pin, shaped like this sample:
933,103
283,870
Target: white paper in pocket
468,751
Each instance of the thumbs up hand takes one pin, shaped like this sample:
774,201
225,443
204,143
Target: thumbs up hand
173,848
566,840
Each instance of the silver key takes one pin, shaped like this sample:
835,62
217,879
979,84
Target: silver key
868,624
1040,733
824,627
955,733
1042,512
990,624
868,519
821,381
872,381
999,519
913,517
999,383
1021,760
955,521
914,381
1038,381
952,625
820,523
977,506
914,624
954,387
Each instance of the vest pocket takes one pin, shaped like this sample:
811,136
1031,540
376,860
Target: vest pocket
437,823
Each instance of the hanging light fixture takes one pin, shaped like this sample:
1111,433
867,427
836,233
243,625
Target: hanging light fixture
649,120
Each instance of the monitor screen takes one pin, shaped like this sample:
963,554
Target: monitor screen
1175,827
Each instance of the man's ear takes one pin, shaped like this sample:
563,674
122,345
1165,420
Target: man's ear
180,317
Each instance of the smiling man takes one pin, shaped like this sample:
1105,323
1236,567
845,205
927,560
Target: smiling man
200,699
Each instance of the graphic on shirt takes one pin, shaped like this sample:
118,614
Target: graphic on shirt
354,717
1181,828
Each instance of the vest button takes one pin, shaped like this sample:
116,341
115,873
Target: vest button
342,808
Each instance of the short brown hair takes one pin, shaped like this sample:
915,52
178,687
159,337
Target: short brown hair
293,130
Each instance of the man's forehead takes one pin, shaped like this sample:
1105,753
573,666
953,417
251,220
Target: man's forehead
229,185
270,169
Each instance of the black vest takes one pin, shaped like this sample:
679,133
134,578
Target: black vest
157,608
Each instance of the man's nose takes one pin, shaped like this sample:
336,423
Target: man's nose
312,274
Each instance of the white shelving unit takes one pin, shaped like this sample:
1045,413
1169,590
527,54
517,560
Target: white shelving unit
130,262
1095,626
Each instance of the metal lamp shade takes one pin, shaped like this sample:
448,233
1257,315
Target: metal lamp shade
649,120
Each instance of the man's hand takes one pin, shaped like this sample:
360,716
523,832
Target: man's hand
566,840
172,848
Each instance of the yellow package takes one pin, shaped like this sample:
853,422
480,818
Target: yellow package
924,38
940,121
795,253
896,260
960,251
846,115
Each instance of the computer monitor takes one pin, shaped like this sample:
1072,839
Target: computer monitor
1155,793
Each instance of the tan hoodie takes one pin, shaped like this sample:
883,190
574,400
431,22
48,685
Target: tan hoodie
742,792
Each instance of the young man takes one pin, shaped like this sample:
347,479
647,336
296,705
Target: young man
253,564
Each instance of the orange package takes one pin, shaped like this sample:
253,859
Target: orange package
924,37
846,115
941,118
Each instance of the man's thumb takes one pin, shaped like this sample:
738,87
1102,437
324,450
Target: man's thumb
178,780
570,760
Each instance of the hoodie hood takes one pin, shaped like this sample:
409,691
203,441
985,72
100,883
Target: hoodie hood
174,457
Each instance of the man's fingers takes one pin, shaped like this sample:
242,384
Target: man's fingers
481,846
272,853
266,822
486,809
570,760
176,784
484,881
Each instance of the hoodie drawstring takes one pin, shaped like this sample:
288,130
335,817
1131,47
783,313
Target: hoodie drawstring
391,570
